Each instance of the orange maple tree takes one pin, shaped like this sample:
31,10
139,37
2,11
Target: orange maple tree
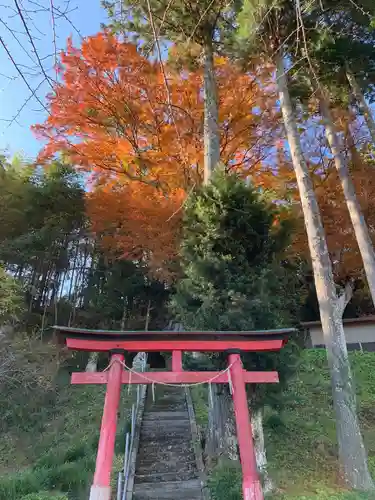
113,112
341,241
141,138
136,221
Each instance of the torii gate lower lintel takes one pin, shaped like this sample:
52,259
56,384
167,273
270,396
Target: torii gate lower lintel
117,342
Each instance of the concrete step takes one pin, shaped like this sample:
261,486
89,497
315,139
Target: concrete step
161,477
174,443
167,407
148,455
164,439
165,400
168,452
162,416
166,423
171,490
166,467
166,460
152,467
165,432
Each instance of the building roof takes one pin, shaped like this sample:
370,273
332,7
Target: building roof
347,321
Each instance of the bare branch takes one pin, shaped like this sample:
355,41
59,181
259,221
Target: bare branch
33,44
21,74
54,35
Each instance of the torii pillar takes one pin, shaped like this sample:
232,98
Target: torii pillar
117,342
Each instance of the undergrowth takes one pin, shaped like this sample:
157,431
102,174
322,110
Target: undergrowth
54,457
301,441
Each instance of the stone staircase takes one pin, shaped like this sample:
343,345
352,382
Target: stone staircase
166,465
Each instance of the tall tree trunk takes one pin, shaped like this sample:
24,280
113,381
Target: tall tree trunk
359,224
147,323
92,363
32,288
211,114
221,439
260,448
43,320
87,294
20,271
352,452
124,314
362,104
76,244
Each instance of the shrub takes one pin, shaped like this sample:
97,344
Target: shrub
225,482
45,495
14,487
11,298
327,495
70,477
28,368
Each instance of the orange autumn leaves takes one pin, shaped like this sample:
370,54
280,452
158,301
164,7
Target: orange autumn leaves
141,138
341,241
114,113
137,221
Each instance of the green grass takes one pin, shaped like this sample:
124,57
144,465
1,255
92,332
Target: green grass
301,442
199,395
55,457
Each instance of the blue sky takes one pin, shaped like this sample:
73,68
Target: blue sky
85,15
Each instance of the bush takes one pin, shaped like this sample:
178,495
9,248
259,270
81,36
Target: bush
28,368
45,495
24,483
225,482
327,495
11,298
72,476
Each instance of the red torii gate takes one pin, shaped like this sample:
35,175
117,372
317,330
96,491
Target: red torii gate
117,342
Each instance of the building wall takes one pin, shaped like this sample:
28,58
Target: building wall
357,336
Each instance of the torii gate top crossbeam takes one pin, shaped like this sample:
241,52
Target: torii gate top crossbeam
107,340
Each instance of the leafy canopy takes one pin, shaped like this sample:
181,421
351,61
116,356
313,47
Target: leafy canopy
236,276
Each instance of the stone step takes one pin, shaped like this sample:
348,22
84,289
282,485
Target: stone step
171,490
174,443
158,426
178,426
173,458
171,407
162,477
163,408
164,437
165,415
152,467
167,394
167,399
157,450
150,451
166,421
166,466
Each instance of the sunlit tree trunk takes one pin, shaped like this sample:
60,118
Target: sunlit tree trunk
124,314
75,244
260,448
92,364
221,439
147,322
362,104
356,216
211,114
352,453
